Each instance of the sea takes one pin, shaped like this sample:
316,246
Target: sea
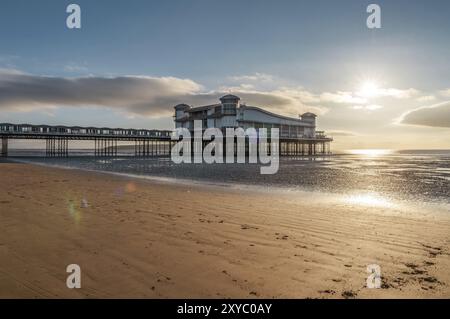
375,175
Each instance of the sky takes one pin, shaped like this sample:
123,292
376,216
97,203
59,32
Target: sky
132,61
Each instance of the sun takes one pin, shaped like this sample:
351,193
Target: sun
368,89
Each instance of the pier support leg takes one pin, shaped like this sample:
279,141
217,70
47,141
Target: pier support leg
49,147
4,146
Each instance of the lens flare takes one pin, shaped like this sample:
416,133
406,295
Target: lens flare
74,206
130,187
74,212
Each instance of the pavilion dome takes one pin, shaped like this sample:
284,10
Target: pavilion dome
309,114
230,97
182,106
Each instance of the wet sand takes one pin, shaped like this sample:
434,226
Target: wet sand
147,239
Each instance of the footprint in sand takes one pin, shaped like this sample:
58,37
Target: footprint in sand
282,237
245,226
429,280
433,251
348,294
385,284
426,280
414,270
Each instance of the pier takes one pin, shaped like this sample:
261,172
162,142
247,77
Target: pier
147,143
105,140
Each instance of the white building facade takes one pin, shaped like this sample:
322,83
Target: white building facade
231,113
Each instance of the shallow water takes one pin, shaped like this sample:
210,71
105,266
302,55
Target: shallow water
403,175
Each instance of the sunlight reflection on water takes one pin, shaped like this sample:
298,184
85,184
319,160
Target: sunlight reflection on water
370,152
368,200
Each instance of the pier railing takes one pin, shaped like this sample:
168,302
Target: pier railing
29,130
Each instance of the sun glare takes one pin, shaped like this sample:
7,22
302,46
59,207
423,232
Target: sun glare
370,152
368,89
368,200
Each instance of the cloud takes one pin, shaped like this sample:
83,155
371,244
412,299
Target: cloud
370,107
363,97
342,98
6,72
437,115
445,93
341,133
149,96
375,92
426,98
73,67
134,95
257,77
284,101
8,59
398,93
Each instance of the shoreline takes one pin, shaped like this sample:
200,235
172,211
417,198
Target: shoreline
441,207
144,239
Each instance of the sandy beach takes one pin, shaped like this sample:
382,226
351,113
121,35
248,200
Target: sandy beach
145,239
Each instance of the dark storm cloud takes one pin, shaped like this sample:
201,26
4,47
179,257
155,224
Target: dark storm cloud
435,116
